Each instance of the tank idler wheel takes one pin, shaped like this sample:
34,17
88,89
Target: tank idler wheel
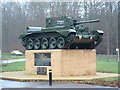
30,44
24,41
36,44
52,43
44,43
60,42
70,37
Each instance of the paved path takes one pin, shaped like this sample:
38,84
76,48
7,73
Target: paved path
16,84
11,60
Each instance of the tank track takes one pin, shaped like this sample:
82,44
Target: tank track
61,42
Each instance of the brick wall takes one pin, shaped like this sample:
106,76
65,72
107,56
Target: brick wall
65,62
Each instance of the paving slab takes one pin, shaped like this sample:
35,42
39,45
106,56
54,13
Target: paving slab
16,84
22,76
10,61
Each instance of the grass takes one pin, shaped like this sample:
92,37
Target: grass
106,57
7,56
16,66
108,79
107,66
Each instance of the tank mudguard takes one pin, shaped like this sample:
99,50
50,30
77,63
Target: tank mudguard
24,35
66,32
100,32
97,32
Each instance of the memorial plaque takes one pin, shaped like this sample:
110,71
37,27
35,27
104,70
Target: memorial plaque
42,59
42,70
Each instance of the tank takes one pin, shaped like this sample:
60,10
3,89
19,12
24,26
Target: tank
61,33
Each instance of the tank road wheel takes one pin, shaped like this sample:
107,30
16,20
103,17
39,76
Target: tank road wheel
44,43
30,44
36,44
60,42
24,41
52,43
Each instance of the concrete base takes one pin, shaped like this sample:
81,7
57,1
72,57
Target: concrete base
65,63
22,76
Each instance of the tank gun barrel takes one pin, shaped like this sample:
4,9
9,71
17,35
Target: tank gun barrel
89,21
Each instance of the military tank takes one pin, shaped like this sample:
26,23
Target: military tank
61,33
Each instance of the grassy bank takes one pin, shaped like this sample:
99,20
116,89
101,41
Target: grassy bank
7,56
102,66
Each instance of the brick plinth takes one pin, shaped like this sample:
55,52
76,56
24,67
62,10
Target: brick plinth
65,62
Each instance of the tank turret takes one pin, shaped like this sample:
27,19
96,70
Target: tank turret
61,33
65,21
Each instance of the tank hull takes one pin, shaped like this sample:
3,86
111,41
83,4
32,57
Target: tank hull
61,33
